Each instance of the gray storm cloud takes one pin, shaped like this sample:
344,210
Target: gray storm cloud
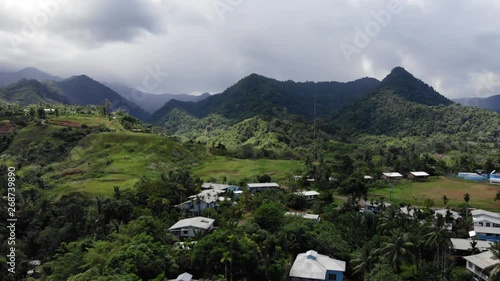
209,45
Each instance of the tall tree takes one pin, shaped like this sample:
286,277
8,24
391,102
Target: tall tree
397,249
493,271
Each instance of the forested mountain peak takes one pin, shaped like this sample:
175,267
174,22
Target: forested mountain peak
411,88
258,95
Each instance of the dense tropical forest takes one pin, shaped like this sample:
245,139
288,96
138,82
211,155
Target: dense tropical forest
98,188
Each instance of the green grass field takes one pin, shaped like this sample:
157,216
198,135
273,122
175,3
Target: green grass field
481,194
101,161
237,169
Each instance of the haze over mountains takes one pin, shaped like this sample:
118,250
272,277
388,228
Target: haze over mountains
492,102
31,85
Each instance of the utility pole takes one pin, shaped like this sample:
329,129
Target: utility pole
314,131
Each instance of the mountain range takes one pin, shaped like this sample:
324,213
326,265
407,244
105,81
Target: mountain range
32,86
492,102
259,95
148,101
254,95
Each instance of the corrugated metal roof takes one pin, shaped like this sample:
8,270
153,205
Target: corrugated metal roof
443,212
420,174
315,268
198,222
393,175
464,244
483,260
307,193
264,184
477,213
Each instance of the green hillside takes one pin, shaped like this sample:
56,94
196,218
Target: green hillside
387,113
104,160
259,95
26,92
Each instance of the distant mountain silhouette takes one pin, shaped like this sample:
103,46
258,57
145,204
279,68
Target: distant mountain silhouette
492,102
148,101
84,90
7,78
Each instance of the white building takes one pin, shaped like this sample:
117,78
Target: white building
313,266
392,176
443,212
204,200
258,187
418,176
189,227
486,225
459,244
310,195
477,263
305,216
184,277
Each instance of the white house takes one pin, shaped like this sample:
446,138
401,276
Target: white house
189,227
464,245
313,266
485,218
219,186
486,225
305,216
310,195
183,277
258,187
416,176
392,176
206,199
443,212
477,263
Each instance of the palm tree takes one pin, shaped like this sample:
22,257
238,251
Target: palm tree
397,249
364,260
445,200
466,199
439,239
494,270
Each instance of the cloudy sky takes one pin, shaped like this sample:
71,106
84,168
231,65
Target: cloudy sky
195,46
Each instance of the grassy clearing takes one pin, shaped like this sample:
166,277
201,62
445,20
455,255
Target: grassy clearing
101,161
482,194
237,169
90,121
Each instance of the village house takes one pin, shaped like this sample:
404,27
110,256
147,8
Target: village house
184,277
310,195
391,176
259,187
486,225
206,199
305,216
312,266
463,247
477,263
220,186
418,176
191,226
